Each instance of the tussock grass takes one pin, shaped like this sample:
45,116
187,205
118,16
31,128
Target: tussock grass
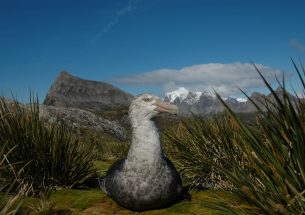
53,156
262,165
107,148
199,145
10,202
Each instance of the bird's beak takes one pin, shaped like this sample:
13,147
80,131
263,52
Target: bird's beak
166,107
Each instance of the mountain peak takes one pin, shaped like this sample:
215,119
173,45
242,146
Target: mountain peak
181,93
204,102
70,91
184,95
64,73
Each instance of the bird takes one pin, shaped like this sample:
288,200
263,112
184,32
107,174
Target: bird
145,179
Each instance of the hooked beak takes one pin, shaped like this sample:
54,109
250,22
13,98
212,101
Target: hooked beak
166,107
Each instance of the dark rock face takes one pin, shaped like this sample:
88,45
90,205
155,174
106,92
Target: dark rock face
77,119
70,91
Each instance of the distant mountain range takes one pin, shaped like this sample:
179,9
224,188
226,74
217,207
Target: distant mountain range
68,91
189,97
205,103
100,107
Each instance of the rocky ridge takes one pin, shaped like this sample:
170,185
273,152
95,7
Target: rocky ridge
77,120
95,96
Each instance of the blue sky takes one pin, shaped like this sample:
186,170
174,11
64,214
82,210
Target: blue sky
148,45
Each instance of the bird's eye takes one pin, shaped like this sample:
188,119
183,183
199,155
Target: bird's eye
146,99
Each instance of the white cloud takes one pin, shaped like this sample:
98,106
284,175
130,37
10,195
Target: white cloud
297,45
224,78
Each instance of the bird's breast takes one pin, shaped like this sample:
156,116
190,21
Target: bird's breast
144,179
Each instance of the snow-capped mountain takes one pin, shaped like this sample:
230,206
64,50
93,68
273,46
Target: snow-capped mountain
242,100
204,103
184,95
180,93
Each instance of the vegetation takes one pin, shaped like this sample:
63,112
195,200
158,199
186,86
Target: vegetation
53,157
261,165
7,202
93,201
197,146
108,148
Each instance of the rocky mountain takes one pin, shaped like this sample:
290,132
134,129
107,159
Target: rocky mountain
77,120
95,96
204,103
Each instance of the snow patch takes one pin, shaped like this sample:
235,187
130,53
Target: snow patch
181,93
184,95
243,100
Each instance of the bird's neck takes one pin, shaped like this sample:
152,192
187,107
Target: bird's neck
145,146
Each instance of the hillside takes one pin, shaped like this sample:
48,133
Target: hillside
96,96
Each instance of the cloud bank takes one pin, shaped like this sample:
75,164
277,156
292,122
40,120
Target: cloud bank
224,78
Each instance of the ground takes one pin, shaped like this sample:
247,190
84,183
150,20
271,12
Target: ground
94,201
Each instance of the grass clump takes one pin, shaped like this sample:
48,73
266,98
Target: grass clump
262,165
54,157
9,203
12,189
107,148
198,146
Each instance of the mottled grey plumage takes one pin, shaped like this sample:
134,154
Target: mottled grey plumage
145,179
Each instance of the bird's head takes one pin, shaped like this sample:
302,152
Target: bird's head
146,106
